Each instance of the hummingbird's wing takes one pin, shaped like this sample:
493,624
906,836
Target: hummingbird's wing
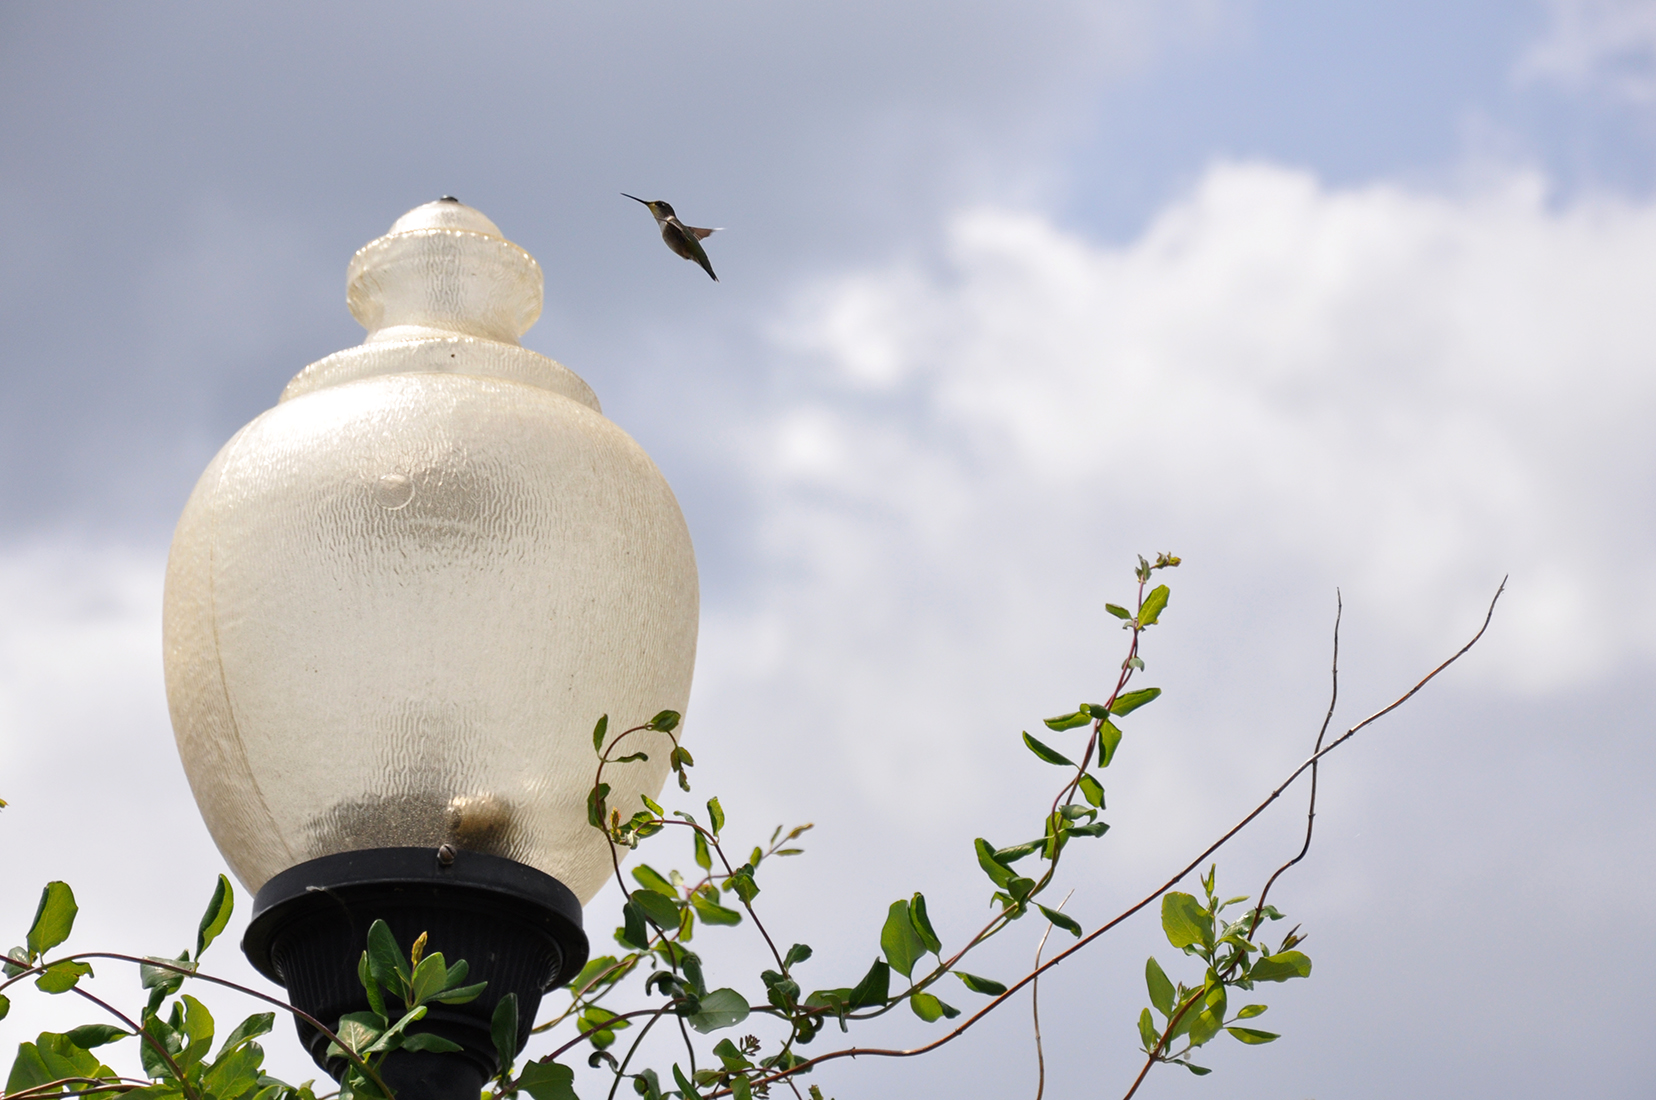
687,243
700,234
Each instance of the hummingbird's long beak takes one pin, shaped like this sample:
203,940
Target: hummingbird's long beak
634,198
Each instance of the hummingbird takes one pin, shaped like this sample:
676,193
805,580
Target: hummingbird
682,239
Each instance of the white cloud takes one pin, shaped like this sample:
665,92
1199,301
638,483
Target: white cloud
1407,393
1605,44
1295,386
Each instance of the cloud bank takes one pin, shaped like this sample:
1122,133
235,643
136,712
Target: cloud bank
1406,393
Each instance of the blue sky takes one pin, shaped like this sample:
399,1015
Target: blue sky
1315,295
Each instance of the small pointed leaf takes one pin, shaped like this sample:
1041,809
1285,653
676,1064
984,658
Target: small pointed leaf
54,918
1045,752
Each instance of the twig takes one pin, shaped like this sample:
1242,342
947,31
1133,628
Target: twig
103,1085
1035,1006
1311,809
879,1052
621,1070
145,1036
165,964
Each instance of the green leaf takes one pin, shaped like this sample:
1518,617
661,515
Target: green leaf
704,859
431,1043
1133,700
5,1005
429,978
633,932
598,733
1118,611
710,911
929,1008
1250,1011
1108,738
666,722
980,985
1185,921
651,879
874,989
721,1008
197,1031
216,916
741,881
683,1083
365,1032
163,982
1281,967
998,873
53,919
365,975
503,1029
715,813
781,991
61,976
385,959
16,961
65,1059
1096,828
28,1069
607,1024
659,910
1092,790
798,953
732,1058
1153,606
548,1080
899,939
691,963
653,806
460,994
235,1074
923,926
1212,1016
165,1037
1148,1034
594,967
1161,990
88,1036
258,1024
596,808
1046,753
1200,1071
1062,920
1067,721
1010,855
1252,1037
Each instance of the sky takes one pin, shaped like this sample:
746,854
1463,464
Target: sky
1324,298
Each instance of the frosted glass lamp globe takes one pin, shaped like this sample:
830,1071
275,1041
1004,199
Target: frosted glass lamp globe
397,602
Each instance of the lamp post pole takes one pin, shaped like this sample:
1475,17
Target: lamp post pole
396,605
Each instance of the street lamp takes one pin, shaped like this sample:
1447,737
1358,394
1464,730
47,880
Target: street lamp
396,605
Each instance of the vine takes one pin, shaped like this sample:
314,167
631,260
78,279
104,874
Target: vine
656,977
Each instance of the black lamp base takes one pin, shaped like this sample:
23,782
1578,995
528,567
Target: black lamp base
517,928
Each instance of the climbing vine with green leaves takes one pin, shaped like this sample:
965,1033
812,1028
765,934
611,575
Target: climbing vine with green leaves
657,978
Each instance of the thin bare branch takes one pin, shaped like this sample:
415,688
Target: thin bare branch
1035,1006
1311,809
880,1052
